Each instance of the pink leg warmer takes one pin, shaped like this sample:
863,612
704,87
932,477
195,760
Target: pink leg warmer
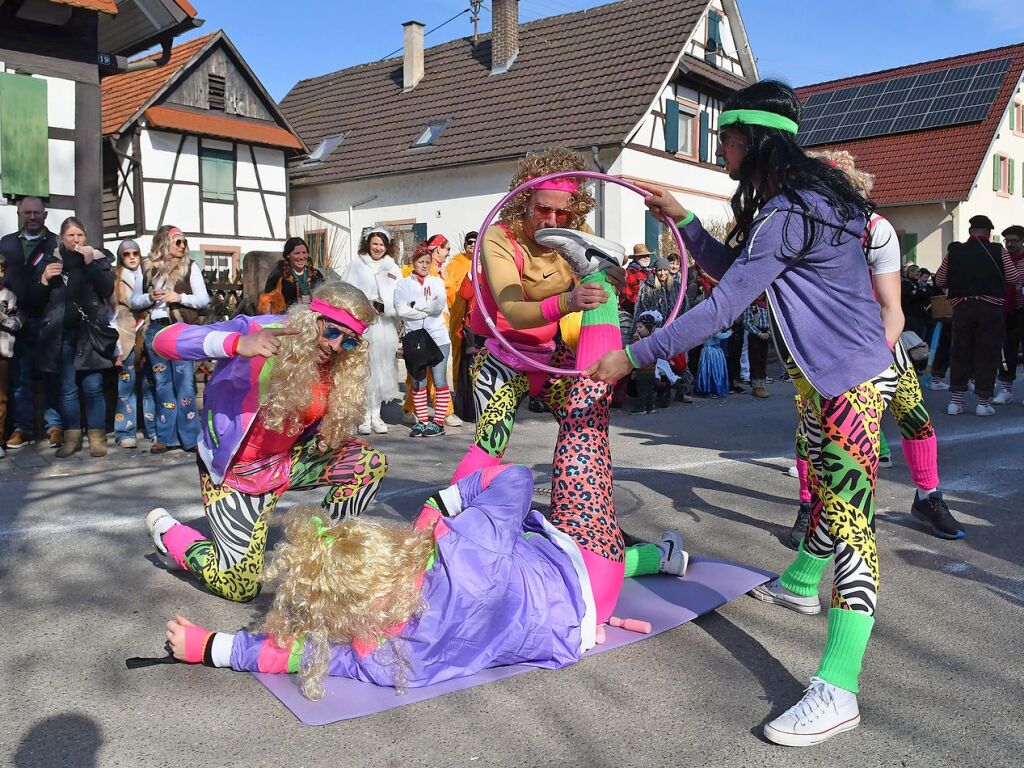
605,581
475,458
923,459
178,539
805,488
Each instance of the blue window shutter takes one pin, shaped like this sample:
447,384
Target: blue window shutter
652,231
419,233
672,126
714,33
705,139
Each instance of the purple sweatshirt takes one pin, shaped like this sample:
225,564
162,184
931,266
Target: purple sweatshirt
822,302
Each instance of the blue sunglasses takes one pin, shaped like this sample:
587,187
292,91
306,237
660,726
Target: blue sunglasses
332,332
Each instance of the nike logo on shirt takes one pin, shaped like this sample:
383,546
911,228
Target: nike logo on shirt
549,274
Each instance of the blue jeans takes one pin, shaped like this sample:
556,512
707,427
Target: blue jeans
177,422
126,421
439,372
22,401
89,384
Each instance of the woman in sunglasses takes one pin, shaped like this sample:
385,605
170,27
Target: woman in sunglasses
172,288
278,414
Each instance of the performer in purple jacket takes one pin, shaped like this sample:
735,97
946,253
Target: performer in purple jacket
278,414
797,237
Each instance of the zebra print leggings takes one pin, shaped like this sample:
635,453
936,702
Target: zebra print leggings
231,564
840,435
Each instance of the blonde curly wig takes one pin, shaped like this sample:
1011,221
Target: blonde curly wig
295,375
862,181
357,580
540,164
159,267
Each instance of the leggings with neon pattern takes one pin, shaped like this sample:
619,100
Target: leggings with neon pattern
231,563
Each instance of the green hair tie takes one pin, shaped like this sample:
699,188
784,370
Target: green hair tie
322,530
757,117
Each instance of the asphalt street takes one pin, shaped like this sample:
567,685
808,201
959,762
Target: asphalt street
80,591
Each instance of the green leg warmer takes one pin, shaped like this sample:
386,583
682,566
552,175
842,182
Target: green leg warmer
804,574
883,445
848,633
642,560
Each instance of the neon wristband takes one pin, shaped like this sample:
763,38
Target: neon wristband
196,641
757,117
629,354
686,219
231,345
550,308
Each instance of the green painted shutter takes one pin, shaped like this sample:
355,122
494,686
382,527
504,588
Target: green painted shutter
909,249
218,174
714,33
652,231
705,139
419,234
24,136
996,180
1013,115
672,126
1009,180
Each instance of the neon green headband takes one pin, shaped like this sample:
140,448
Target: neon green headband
757,117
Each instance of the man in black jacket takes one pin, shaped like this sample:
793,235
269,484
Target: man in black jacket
23,250
975,275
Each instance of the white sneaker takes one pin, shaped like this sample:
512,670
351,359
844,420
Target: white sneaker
586,253
937,385
378,426
158,522
1005,396
674,558
984,410
364,428
774,592
824,711
451,420
793,472
954,409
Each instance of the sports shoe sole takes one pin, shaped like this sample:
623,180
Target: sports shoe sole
808,739
921,517
762,594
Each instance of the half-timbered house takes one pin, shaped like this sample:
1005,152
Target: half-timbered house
199,144
428,142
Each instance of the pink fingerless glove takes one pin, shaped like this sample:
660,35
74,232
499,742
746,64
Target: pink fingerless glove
196,641
550,309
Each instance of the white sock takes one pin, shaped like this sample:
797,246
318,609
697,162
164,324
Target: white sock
924,493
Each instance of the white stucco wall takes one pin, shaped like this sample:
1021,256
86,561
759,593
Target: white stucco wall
932,225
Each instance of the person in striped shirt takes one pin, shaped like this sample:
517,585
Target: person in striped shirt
975,275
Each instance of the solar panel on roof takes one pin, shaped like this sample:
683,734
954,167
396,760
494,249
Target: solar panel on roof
939,98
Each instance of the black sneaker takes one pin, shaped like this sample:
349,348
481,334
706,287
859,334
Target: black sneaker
934,512
417,430
433,429
803,518
639,411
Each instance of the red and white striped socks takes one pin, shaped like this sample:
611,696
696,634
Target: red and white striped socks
442,402
419,405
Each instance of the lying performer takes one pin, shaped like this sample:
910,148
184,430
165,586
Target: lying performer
480,581
278,414
797,235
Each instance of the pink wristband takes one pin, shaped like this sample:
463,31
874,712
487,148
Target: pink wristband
550,309
231,345
196,639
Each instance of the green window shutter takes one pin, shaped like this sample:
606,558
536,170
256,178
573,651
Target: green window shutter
705,143
1009,180
419,234
996,180
24,136
672,126
1013,115
652,231
714,32
909,249
218,166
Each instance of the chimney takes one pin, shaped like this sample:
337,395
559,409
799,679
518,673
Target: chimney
504,35
412,45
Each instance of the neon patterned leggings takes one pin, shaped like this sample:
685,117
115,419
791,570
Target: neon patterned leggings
231,564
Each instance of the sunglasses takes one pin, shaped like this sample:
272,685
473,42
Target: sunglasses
543,211
180,241
727,140
332,332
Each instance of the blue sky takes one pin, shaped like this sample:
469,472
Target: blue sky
799,41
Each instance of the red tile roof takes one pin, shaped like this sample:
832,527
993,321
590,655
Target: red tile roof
125,94
106,6
187,7
933,164
581,79
222,126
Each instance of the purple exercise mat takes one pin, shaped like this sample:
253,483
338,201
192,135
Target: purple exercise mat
665,601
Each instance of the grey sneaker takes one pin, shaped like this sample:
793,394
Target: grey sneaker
586,253
774,592
803,519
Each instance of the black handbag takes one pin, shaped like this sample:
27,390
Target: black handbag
420,352
101,337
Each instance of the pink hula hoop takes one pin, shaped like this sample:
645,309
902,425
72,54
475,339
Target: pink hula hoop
477,267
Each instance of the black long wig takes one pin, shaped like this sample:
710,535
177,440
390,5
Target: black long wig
775,161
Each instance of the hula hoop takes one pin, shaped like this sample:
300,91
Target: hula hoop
477,267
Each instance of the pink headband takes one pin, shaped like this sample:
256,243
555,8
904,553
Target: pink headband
339,315
560,185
